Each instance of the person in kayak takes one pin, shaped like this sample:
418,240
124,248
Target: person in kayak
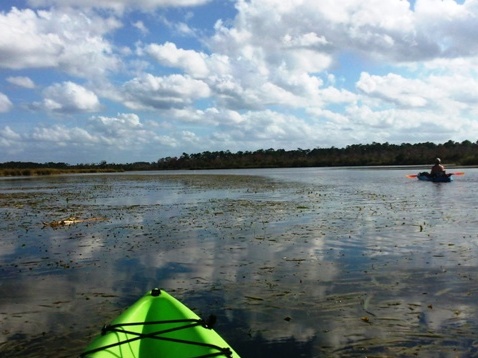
438,169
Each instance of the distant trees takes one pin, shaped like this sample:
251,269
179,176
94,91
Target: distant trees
374,154
32,165
51,168
464,153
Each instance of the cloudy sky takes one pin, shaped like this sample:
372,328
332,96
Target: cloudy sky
138,80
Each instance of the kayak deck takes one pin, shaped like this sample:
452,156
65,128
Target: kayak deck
158,325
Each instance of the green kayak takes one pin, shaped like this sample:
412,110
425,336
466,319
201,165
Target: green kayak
158,325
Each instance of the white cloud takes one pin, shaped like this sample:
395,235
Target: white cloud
376,29
394,89
126,131
107,137
273,73
451,26
5,103
236,84
117,5
21,81
123,120
63,136
123,126
210,117
253,129
68,97
190,137
261,129
66,40
310,39
224,116
276,128
191,62
8,137
141,27
174,91
121,131
447,95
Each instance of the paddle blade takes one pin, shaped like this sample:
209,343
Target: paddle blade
458,173
411,176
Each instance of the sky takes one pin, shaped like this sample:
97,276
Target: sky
124,81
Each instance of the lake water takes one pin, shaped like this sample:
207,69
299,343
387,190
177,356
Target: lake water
293,262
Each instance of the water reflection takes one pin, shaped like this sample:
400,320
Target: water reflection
302,262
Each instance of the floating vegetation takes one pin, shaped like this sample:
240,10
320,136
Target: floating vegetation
327,267
71,221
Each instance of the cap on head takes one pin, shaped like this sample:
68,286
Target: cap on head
437,161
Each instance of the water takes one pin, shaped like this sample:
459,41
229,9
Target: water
294,262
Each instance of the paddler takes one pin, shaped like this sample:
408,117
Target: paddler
438,169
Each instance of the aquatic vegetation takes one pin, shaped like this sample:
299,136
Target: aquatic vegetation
71,221
338,268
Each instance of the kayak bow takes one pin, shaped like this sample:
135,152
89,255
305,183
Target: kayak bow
158,325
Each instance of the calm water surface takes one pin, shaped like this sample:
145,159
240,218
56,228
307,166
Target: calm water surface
294,262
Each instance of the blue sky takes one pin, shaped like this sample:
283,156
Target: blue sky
138,80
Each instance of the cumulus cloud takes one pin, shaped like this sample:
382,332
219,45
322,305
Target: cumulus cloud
62,135
450,25
293,46
123,120
275,127
223,116
5,103
117,5
66,40
103,135
174,91
8,137
447,95
141,27
236,82
21,81
189,61
274,73
318,31
395,89
126,131
124,125
210,117
68,97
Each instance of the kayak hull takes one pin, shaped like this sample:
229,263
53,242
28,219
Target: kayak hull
158,325
436,179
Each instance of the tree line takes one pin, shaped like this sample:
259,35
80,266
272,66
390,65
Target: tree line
374,154
13,168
